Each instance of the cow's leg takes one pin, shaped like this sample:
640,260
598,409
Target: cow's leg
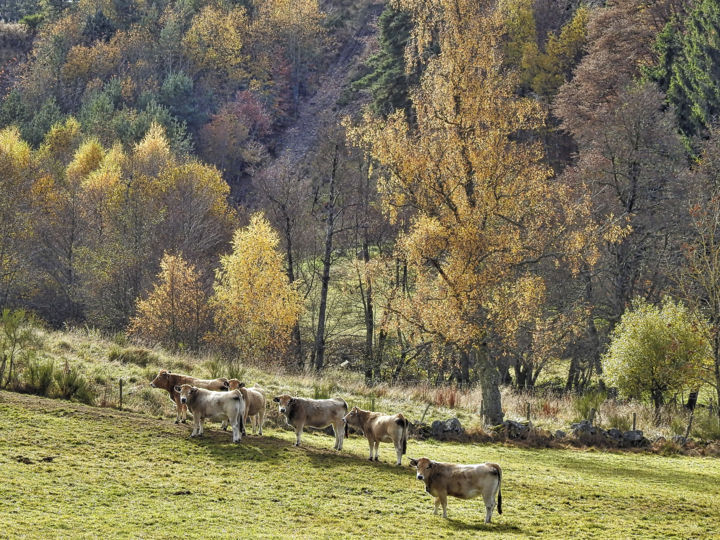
261,419
201,423
370,443
377,450
489,498
237,434
339,428
178,409
224,424
399,451
443,501
196,426
298,432
437,503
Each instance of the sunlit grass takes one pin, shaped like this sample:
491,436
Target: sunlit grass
121,474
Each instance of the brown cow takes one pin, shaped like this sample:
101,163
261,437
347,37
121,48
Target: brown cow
254,404
462,481
207,404
378,428
168,381
317,413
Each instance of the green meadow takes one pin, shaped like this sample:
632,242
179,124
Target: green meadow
75,471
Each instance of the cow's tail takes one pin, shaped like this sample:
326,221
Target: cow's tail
403,422
346,424
499,491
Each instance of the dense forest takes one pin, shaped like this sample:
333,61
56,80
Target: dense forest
459,191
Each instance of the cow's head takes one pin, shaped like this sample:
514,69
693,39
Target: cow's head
353,417
283,402
423,466
185,391
234,383
161,380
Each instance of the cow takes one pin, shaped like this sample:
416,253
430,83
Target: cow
168,381
462,481
317,413
379,428
254,404
205,403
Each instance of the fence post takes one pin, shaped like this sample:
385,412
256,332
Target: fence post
634,418
592,416
121,385
527,411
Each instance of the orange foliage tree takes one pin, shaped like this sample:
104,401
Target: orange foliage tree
486,208
176,312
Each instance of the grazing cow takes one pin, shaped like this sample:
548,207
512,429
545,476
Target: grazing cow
168,381
380,428
254,404
205,403
462,481
317,413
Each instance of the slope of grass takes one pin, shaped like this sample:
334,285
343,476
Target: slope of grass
75,471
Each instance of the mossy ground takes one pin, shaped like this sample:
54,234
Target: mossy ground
69,470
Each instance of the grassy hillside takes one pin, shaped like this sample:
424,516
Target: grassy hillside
70,470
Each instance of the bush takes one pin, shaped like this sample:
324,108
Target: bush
324,391
706,426
219,367
584,403
623,422
39,377
133,355
71,384
657,351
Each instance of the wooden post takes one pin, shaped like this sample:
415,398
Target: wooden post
527,411
121,385
687,431
592,416
634,418
426,410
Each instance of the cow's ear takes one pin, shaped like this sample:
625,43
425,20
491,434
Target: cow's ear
177,389
276,399
413,462
193,389
241,385
292,400
429,465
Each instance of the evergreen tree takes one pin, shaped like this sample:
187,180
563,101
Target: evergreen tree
388,80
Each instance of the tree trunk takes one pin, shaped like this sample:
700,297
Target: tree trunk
296,341
489,384
319,351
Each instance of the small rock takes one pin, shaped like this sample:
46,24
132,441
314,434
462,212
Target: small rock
634,438
679,439
560,434
614,434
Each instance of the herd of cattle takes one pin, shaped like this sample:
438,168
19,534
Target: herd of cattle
230,402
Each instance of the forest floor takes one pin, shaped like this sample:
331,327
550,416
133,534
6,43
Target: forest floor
75,471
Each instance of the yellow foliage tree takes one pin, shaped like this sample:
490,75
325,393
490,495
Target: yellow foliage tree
485,206
256,307
176,313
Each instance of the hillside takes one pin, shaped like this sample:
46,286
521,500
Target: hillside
80,472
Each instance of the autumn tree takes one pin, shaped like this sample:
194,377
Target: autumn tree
176,312
486,208
255,305
656,351
16,175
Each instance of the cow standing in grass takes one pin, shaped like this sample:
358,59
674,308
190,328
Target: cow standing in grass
317,413
379,428
207,404
462,481
254,404
168,381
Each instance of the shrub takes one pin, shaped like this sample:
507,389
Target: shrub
584,403
706,426
71,384
324,391
657,351
133,355
39,377
623,422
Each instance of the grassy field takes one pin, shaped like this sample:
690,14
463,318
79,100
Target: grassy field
74,471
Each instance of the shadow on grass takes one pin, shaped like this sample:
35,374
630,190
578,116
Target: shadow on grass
459,525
